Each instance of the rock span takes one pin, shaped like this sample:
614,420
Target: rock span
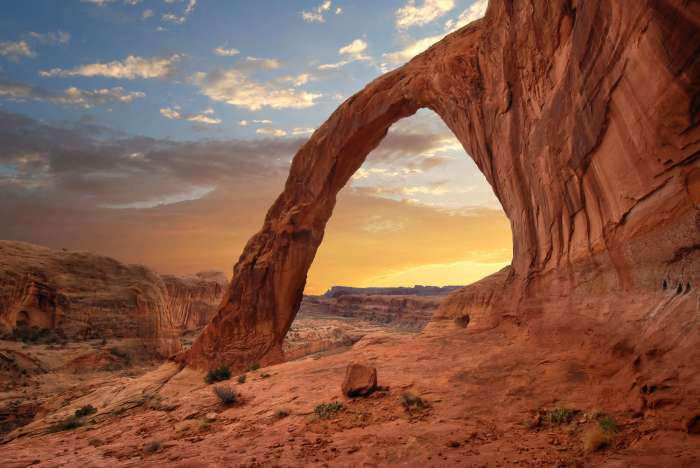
582,115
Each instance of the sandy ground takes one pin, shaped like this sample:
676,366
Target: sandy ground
487,399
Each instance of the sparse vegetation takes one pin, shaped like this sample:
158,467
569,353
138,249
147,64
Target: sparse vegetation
264,375
66,425
86,410
559,416
328,410
218,375
241,378
226,395
153,446
411,401
254,366
608,424
281,413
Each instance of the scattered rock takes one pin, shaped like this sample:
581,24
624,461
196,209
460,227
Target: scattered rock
693,425
359,380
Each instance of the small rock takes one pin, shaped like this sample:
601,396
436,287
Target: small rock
359,380
211,416
693,425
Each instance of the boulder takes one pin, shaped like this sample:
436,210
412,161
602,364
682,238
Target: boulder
359,380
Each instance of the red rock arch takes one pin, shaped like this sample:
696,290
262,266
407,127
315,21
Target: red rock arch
545,96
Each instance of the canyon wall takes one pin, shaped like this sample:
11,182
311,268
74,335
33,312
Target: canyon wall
80,295
583,117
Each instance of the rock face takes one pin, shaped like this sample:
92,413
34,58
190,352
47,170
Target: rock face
407,312
82,295
418,290
193,300
583,117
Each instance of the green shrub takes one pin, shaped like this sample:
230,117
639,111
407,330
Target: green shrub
241,378
226,395
86,410
254,366
559,416
218,375
328,410
281,413
607,424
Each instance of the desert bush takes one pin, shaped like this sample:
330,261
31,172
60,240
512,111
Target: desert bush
281,413
241,378
410,401
254,366
66,425
559,415
226,395
607,424
86,410
328,410
218,375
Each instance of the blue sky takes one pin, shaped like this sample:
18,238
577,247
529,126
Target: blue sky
139,109
104,32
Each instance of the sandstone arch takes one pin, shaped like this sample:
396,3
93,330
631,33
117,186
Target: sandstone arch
583,117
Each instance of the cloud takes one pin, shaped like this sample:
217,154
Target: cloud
16,50
237,89
352,52
130,68
316,15
245,123
147,14
224,52
71,96
303,131
204,117
411,15
51,38
296,81
180,19
415,47
263,63
269,131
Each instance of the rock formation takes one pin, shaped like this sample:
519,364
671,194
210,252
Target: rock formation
82,295
407,312
582,115
418,290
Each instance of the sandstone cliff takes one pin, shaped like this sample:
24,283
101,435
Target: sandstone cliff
583,117
406,312
82,295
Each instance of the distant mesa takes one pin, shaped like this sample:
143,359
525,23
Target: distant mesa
417,290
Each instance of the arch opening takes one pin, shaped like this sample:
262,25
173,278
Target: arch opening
417,212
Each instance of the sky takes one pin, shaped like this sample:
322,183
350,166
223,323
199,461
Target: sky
160,131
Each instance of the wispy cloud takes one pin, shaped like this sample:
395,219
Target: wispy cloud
16,50
71,96
205,117
245,123
226,52
130,68
418,15
51,38
180,19
317,15
264,63
270,131
238,89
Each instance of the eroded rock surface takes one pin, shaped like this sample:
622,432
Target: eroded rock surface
80,295
583,117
